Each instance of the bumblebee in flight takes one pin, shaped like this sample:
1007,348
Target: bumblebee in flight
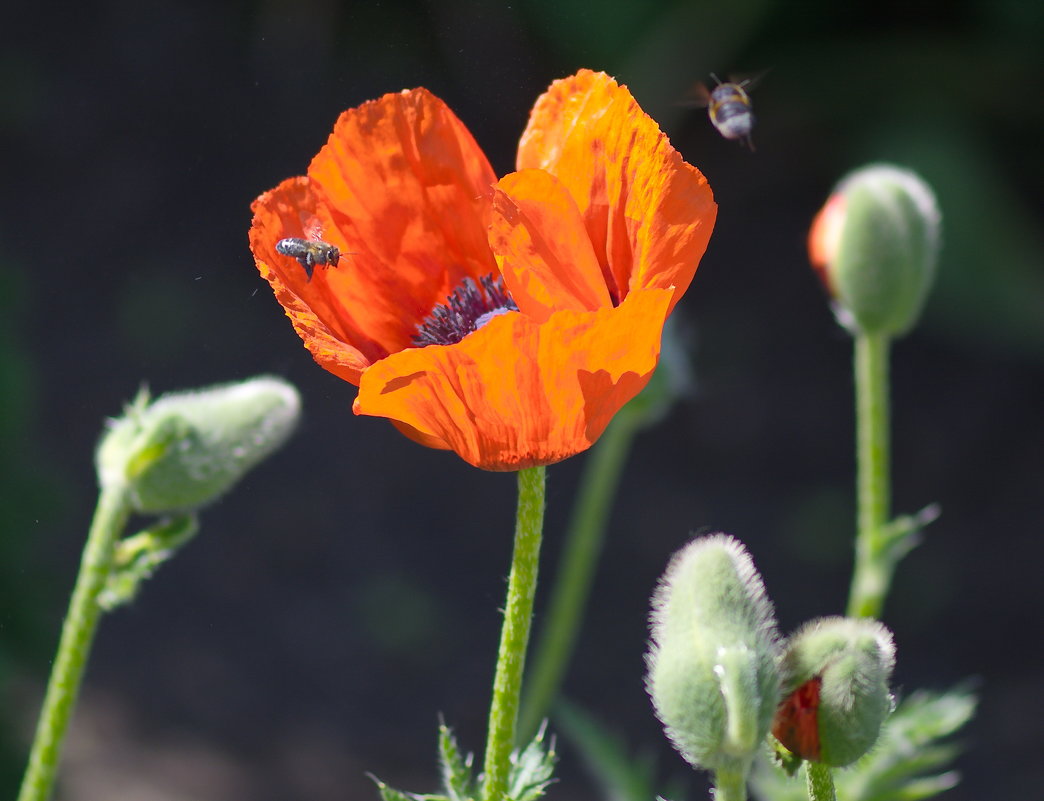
309,252
730,112
729,108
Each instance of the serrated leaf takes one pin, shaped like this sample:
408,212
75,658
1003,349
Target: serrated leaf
456,771
910,747
390,793
532,769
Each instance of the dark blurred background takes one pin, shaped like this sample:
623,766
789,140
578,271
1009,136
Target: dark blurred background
347,592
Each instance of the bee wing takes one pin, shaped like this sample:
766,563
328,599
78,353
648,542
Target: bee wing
698,96
313,229
748,80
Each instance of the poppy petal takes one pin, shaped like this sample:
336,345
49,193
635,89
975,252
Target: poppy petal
337,342
408,188
542,247
648,212
516,393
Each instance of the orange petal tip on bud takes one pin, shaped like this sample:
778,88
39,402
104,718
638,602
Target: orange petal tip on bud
825,235
875,244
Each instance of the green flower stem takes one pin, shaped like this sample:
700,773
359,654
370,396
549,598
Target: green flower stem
110,517
514,636
875,562
730,785
576,569
820,782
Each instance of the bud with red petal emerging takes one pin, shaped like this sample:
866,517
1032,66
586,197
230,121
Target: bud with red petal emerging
875,244
835,689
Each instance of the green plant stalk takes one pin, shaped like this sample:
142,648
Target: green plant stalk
514,635
730,785
572,587
875,562
81,621
820,782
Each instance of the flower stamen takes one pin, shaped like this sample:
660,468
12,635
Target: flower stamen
465,311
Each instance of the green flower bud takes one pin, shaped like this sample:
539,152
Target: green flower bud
185,449
836,697
712,662
875,244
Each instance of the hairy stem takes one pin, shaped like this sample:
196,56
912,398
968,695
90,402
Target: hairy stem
81,621
875,562
514,635
730,785
820,782
576,569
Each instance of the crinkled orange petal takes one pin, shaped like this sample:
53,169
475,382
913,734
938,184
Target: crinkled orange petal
405,193
542,248
408,187
336,340
516,393
649,214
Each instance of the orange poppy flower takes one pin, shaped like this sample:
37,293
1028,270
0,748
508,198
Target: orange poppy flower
507,321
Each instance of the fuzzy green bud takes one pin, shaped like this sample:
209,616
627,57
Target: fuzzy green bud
185,449
836,698
875,244
712,663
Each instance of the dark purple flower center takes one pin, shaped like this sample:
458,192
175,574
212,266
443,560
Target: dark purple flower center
466,310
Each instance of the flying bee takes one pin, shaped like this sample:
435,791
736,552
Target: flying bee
309,252
729,108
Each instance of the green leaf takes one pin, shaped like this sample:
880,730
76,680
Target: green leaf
139,556
623,777
457,778
530,774
790,763
903,534
532,769
910,762
390,793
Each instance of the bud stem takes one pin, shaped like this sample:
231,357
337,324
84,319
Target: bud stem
874,560
576,566
730,785
81,621
514,635
820,782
